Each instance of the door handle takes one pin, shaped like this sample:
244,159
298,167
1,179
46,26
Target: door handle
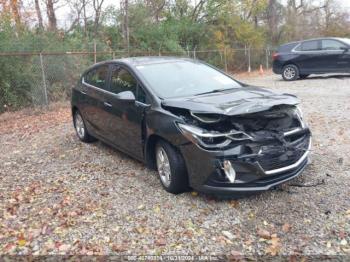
107,104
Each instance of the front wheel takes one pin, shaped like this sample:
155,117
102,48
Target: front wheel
290,72
171,168
80,128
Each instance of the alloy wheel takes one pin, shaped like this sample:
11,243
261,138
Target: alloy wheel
79,126
289,72
163,166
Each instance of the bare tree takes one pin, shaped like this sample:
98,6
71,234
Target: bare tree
78,8
197,10
124,6
15,12
97,6
85,17
156,7
272,21
38,14
51,16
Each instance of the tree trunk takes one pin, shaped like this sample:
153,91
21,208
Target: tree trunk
38,14
51,15
97,5
15,12
125,10
85,19
272,21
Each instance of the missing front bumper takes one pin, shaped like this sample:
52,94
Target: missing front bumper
264,184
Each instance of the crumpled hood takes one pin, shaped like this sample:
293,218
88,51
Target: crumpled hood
238,101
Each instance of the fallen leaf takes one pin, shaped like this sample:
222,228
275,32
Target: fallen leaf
64,247
21,240
194,193
236,255
228,234
119,247
348,213
264,233
274,247
251,215
286,227
234,203
343,242
160,242
116,229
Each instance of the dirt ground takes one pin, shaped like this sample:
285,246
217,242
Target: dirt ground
60,196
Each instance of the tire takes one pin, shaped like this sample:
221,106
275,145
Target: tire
171,170
290,72
303,76
80,128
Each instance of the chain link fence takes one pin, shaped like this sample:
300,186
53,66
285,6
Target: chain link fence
37,79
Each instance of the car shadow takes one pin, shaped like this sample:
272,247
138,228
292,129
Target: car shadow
320,77
337,76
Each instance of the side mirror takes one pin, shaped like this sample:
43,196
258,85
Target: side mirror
345,49
127,96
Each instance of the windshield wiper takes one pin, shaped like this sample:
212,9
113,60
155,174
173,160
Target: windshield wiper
214,91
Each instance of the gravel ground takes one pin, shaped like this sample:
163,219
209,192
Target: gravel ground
60,196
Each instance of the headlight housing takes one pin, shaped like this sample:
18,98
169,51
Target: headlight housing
211,139
300,116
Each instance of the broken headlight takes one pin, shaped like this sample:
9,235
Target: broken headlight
299,114
211,139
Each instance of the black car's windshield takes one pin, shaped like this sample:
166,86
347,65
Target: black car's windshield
184,78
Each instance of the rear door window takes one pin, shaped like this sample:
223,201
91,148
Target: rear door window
97,77
286,48
310,46
329,44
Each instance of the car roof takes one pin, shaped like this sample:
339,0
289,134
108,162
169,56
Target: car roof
142,60
145,60
314,39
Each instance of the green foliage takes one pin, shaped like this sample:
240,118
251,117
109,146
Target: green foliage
155,27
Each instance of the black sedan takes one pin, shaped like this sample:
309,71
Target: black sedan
198,127
316,56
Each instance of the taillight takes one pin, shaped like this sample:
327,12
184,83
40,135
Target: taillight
275,56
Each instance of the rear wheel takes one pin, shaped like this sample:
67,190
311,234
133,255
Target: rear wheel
80,128
290,72
171,168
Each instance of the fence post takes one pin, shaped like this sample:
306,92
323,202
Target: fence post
249,61
267,58
44,78
95,59
225,59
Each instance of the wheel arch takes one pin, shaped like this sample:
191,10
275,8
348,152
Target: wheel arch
74,110
149,151
290,63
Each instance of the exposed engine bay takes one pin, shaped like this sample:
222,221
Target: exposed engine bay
274,138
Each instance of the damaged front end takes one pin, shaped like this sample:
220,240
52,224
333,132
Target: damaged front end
248,152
